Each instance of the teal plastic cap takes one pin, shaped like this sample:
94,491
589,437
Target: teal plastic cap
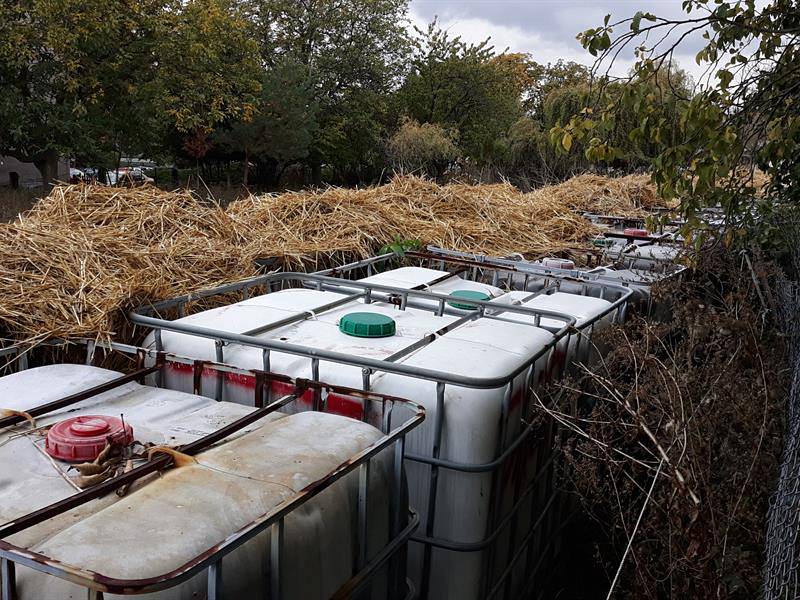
467,295
367,325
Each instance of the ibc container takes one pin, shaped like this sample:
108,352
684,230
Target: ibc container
471,469
269,492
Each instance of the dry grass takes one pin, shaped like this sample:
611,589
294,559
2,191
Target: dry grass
632,195
685,428
72,264
81,257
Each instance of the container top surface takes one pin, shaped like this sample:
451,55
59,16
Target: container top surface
320,330
582,308
31,480
657,252
405,277
178,516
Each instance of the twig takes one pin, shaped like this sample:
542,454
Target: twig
635,529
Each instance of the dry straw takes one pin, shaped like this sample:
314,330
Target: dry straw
74,264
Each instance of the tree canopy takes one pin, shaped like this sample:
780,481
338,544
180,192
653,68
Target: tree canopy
346,91
705,146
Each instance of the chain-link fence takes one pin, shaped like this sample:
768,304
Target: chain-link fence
782,555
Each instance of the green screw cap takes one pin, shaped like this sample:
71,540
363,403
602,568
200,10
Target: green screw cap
367,325
602,242
467,295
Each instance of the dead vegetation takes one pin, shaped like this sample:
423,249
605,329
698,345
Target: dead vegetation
677,437
81,257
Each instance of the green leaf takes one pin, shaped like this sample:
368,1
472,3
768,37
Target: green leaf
636,21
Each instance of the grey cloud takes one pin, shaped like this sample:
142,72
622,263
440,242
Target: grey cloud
556,22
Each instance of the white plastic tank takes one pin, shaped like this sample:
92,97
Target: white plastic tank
472,417
167,520
577,348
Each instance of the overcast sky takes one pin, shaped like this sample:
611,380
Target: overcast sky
544,28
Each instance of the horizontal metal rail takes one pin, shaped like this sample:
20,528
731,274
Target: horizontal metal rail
662,267
141,316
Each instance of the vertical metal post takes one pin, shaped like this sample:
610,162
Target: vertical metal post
365,379
438,425
495,501
403,301
397,568
90,346
220,354
8,578
276,547
315,377
440,310
22,361
159,378
214,589
197,377
266,366
365,385
258,400
363,493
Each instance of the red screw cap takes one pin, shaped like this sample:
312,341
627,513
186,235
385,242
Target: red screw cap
636,232
81,439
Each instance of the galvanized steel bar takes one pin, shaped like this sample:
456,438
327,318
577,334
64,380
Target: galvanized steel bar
214,582
363,517
433,481
275,559
8,579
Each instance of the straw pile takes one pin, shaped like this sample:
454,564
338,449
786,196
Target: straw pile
72,264
629,196
82,257
486,218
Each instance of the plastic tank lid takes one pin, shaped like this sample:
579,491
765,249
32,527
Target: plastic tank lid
367,325
635,231
83,438
468,295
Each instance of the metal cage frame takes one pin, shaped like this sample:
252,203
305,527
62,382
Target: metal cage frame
539,487
96,584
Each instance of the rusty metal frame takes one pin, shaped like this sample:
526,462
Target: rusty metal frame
97,584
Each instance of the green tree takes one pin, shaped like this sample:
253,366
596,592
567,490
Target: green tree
743,116
73,78
428,148
353,53
549,78
282,129
464,86
208,69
